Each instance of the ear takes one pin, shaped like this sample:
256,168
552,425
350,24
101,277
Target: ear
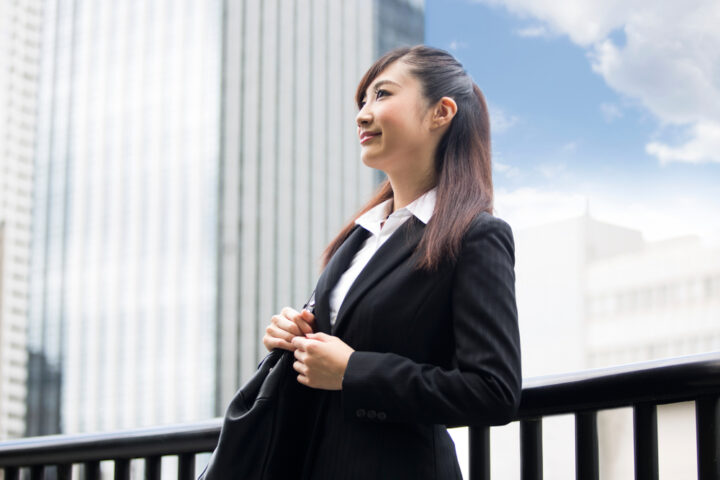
443,113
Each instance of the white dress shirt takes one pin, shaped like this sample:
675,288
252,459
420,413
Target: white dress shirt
372,221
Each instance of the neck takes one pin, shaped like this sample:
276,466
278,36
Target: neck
406,190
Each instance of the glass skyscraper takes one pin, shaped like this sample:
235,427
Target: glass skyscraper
124,290
20,32
194,157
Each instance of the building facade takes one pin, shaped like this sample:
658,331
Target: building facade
193,159
20,30
593,294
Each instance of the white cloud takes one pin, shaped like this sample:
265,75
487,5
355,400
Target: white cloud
704,146
500,120
455,45
550,170
508,170
657,218
534,31
610,111
669,61
526,207
569,147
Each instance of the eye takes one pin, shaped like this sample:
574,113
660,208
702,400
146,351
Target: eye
378,94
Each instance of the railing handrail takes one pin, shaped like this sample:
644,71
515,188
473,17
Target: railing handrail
659,381
135,443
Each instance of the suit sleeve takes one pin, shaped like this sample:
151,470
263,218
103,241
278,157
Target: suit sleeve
483,387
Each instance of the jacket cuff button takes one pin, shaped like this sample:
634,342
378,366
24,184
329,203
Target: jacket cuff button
371,414
360,413
381,416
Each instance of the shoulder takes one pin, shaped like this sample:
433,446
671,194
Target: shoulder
487,224
487,232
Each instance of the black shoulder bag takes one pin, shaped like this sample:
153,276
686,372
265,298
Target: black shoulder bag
262,424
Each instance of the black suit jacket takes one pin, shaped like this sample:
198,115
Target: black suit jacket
432,350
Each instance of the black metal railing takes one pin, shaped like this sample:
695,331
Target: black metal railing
61,452
642,386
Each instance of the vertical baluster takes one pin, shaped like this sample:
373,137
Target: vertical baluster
12,473
645,434
92,471
153,468
37,472
531,456
586,446
707,427
64,471
479,453
122,469
187,466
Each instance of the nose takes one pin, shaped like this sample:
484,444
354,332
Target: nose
363,117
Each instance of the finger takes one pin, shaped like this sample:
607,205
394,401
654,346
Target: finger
323,337
300,367
276,332
272,343
307,315
300,355
289,313
299,342
304,380
288,325
304,326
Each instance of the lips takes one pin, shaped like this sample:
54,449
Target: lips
365,136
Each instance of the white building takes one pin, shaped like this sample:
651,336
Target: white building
592,294
661,301
20,33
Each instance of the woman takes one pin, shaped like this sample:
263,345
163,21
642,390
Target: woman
415,323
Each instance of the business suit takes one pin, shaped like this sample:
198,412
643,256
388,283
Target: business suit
432,349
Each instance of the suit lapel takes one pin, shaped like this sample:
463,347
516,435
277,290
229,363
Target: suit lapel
397,248
337,265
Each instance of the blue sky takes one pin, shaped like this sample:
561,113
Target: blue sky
589,109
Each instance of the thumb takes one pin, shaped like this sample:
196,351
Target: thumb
321,336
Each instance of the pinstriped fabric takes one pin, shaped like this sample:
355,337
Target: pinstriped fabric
432,349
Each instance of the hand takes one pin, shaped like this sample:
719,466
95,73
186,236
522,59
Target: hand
321,360
287,325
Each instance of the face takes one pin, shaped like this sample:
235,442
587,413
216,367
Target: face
393,125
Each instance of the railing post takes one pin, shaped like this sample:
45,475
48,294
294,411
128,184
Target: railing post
186,469
12,473
37,472
531,457
153,468
479,453
645,436
586,446
707,426
92,471
122,469
64,471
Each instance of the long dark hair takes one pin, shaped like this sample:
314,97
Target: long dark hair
462,161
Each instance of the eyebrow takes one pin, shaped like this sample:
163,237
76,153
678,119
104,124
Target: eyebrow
380,83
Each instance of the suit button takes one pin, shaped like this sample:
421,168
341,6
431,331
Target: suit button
381,415
360,412
371,414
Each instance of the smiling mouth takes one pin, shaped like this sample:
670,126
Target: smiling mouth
366,138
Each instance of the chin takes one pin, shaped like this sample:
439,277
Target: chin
368,161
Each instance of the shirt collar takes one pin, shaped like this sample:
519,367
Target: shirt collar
422,208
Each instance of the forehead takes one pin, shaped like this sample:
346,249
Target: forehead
395,72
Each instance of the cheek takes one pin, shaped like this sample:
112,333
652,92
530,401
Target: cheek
400,124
